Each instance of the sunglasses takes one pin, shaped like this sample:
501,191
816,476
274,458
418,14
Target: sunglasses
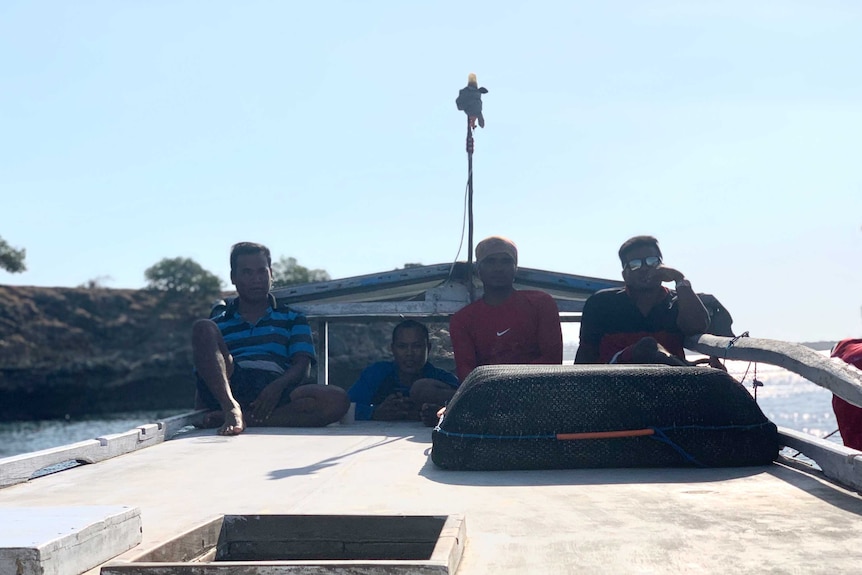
638,263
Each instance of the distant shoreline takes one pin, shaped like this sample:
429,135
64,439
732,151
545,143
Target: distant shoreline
570,347
819,345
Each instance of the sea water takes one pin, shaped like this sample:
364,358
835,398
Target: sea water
784,397
25,436
787,399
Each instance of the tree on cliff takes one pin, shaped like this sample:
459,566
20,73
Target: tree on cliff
183,276
11,259
286,272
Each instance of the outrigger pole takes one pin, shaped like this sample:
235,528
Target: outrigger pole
470,101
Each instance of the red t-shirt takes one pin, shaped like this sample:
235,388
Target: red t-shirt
849,416
523,329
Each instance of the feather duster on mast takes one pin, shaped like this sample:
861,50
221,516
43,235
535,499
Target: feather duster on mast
470,101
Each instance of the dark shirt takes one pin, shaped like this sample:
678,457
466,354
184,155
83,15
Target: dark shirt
611,321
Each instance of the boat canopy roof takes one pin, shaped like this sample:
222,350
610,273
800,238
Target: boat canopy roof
432,291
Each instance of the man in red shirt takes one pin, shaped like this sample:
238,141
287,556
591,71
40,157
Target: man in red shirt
506,326
848,415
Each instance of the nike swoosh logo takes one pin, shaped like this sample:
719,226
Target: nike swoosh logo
504,332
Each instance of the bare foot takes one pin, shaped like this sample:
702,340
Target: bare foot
645,350
668,358
233,424
716,363
648,351
211,420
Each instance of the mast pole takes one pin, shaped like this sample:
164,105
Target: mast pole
470,147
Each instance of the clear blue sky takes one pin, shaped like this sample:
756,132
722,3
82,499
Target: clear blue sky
135,131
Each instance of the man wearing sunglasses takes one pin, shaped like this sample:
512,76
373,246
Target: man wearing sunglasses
643,322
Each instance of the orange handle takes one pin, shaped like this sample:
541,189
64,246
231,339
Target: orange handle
605,434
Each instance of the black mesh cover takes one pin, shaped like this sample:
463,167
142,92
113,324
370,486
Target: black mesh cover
509,417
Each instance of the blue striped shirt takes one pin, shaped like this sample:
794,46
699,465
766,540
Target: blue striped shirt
271,342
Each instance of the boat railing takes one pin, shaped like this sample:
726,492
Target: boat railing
23,467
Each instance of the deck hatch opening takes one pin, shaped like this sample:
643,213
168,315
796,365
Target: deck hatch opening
273,538
374,543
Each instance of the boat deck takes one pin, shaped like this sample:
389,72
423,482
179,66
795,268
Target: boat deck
773,519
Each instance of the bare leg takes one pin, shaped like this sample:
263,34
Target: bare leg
212,419
430,395
648,350
310,406
716,363
214,366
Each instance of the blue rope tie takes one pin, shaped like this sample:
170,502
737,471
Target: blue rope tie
660,436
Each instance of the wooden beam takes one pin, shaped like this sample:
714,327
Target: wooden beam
839,377
839,463
20,468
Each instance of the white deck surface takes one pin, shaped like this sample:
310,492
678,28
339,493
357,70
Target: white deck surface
745,520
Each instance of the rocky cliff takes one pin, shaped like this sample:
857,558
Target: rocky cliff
76,351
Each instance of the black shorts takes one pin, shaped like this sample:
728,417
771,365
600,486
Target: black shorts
245,384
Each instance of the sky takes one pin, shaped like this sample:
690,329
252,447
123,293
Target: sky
730,130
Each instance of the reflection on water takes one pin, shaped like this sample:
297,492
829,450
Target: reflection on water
789,400
785,398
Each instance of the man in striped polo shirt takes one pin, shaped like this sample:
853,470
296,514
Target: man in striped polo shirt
253,355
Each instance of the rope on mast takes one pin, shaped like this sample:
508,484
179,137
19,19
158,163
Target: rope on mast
470,101
470,148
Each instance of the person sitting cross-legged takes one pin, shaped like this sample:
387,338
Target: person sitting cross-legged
407,388
643,322
253,355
